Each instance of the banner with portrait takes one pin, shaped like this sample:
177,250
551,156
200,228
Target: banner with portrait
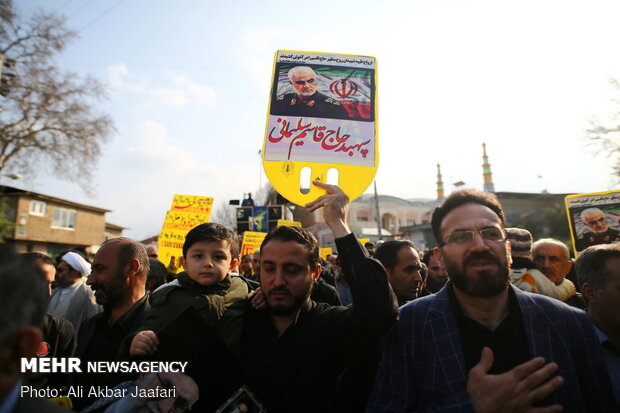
322,116
594,218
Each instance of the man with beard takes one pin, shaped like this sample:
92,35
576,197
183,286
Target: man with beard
481,344
599,231
119,272
295,350
72,299
437,275
306,100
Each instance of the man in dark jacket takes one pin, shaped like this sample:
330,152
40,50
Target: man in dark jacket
295,345
58,333
119,273
23,301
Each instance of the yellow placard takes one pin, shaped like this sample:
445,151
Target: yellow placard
363,241
593,218
186,212
192,203
325,252
322,117
285,223
251,242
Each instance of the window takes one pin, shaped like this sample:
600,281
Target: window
37,208
63,218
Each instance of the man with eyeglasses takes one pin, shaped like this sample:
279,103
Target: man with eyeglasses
306,100
482,345
599,230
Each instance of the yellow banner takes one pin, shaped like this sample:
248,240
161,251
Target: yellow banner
325,252
251,242
285,223
192,203
363,240
186,212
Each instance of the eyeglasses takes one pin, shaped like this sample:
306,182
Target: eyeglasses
303,82
601,220
180,405
462,237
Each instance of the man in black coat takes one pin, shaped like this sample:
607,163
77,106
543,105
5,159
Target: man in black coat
23,303
119,272
295,351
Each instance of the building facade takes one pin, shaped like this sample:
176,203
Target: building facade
51,225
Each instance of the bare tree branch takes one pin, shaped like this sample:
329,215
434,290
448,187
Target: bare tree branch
46,113
604,131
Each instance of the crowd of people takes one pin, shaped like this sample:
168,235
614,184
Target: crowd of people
489,321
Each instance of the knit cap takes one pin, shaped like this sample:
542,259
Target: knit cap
520,241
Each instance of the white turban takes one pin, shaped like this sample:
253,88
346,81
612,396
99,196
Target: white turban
76,262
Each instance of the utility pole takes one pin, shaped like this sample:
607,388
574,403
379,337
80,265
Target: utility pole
377,212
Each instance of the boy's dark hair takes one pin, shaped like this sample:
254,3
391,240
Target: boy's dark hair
466,196
35,256
387,251
591,265
300,236
212,232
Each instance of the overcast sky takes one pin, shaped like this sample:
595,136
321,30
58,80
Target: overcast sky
189,81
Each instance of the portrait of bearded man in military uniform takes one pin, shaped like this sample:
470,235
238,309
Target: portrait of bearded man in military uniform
599,231
306,100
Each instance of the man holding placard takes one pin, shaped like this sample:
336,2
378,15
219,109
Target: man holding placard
295,345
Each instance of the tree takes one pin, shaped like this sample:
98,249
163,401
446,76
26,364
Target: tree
224,214
604,131
45,113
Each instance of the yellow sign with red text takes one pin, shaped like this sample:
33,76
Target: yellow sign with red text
322,124
186,212
251,242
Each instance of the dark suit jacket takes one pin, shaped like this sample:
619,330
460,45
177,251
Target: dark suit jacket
423,366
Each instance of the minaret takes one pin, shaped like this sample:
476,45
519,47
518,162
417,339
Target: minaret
440,194
486,170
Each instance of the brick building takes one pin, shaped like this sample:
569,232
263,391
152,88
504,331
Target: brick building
51,225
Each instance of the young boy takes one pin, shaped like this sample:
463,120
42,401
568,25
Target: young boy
209,253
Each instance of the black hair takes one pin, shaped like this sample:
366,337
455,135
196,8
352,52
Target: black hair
426,258
591,265
37,256
459,198
387,251
299,235
211,231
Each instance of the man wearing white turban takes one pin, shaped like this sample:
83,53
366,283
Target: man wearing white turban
73,300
